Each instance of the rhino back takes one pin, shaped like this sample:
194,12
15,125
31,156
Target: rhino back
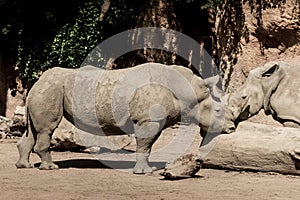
146,92
149,91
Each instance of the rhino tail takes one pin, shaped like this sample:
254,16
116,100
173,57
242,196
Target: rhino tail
28,124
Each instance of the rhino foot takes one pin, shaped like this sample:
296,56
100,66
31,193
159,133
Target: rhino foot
142,169
48,166
21,164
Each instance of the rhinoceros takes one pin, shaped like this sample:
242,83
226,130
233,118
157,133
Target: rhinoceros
274,87
142,100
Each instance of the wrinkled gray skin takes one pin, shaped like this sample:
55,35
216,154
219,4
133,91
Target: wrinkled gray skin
142,100
274,87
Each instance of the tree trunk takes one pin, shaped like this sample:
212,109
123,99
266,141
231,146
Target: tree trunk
104,9
230,28
7,75
3,84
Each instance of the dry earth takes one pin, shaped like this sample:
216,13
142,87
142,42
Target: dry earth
82,176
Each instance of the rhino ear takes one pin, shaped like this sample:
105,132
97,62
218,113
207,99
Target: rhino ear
212,84
269,69
212,81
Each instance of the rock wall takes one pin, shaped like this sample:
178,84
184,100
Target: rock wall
277,39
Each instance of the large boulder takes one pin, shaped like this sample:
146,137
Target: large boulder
256,147
253,147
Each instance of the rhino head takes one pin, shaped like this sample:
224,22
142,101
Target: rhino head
255,93
214,115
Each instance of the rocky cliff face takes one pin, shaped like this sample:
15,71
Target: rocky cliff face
277,38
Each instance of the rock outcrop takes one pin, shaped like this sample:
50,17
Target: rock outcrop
253,147
256,147
15,127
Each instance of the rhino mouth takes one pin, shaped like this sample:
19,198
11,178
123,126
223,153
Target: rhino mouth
229,129
245,114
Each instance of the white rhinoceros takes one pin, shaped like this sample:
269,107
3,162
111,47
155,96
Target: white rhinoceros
142,100
274,87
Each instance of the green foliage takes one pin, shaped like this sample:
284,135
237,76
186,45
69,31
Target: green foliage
43,34
75,39
211,4
64,43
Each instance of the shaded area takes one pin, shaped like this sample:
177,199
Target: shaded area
181,178
277,37
101,164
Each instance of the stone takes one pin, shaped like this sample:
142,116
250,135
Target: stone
188,163
5,124
18,126
185,166
20,110
256,147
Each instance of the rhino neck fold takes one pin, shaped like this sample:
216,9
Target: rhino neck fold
271,90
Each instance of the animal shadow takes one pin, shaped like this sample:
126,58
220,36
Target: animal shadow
100,164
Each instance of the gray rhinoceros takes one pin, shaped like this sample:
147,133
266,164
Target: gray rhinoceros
142,100
274,87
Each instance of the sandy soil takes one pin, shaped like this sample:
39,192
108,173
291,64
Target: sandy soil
82,176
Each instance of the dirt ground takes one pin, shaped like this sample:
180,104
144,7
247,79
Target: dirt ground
82,176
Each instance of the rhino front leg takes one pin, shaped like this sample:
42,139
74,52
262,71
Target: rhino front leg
42,149
146,135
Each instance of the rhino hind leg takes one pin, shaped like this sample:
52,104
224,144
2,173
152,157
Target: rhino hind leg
146,135
42,149
25,146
